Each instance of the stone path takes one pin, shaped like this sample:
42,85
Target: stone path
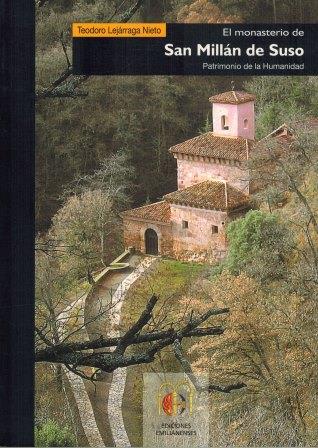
117,387
85,409
83,402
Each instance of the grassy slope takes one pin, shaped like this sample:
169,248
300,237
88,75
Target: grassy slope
170,279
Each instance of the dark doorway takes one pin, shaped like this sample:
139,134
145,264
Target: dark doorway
151,239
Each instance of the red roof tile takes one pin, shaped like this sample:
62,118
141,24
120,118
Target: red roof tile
213,146
232,97
211,195
159,212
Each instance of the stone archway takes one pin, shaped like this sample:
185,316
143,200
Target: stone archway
151,242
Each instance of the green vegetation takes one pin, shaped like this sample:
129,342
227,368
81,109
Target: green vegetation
52,434
281,100
259,245
180,275
55,416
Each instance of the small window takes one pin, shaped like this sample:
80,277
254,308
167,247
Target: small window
215,229
185,224
224,123
245,123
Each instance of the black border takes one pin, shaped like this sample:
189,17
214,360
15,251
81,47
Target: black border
146,56
17,222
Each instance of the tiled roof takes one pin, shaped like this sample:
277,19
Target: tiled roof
232,97
211,195
210,145
159,212
310,123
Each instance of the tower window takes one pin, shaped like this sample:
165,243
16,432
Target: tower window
215,229
245,123
224,123
185,224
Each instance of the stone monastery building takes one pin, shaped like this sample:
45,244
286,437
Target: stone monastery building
213,188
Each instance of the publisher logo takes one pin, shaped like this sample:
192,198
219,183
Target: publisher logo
175,413
178,400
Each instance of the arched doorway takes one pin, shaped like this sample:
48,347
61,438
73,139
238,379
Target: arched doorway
151,242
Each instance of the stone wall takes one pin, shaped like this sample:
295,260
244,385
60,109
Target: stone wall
191,172
198,242
134,235
195,243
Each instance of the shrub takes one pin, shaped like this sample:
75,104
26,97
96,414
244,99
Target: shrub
52,434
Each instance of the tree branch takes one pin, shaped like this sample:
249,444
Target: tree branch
50,353
43,337
125,340
226,389
186,366
75,354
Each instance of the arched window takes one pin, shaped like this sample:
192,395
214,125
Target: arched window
245,123
224,123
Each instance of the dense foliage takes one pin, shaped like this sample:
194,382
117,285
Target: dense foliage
260,246
52,434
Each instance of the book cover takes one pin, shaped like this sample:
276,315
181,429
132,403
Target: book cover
175,222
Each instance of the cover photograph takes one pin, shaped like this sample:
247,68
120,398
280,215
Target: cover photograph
176,223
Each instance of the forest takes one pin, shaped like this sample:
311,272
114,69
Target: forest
102,147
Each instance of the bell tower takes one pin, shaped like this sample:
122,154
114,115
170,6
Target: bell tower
233,114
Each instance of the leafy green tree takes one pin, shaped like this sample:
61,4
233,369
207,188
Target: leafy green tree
280,100
259,244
